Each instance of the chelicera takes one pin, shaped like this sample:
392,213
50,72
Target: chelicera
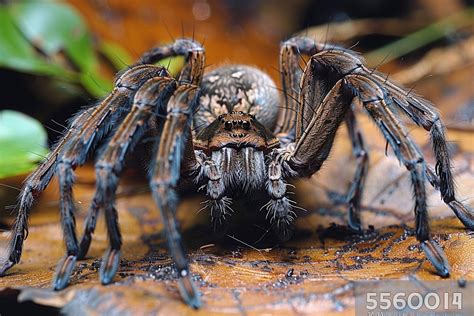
230,134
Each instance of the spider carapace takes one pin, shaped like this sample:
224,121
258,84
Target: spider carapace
231,134
237,130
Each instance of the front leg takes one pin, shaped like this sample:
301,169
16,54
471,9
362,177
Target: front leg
291,73
321,117
311,150
166,169
335,63
315,143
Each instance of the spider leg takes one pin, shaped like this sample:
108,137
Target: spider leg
165,177
89,228
173,145
192,52
291,73
336,62
174,150
290,78
357,186
298,112
424,114
40,178
91,131
314,144
420,111
312,148
373,100
194,59
152,95
76,153
36,182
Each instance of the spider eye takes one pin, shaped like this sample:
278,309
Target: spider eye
228,125
246,124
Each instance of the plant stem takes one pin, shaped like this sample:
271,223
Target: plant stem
421,37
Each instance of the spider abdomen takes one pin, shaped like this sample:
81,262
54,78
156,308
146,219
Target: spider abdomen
238,88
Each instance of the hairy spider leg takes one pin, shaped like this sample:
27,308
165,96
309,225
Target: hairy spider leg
422,113
354,195
193,53
342,62
164,180
372,96
33,185
294,119
152,95
313,146
410,155
148,100
151,98
106,191
174,150
291,52
93,130
290,74
191,72
425,115
87,128
184,47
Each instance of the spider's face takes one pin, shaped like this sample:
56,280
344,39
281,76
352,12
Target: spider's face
235,130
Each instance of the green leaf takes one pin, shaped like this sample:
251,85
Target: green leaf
23,143
14,44
17,53
54,27
35,36
82,53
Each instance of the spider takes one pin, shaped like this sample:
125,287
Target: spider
226,132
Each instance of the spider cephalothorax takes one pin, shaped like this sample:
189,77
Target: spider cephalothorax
236,130
229,134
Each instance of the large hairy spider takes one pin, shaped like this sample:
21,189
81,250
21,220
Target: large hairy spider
245,142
